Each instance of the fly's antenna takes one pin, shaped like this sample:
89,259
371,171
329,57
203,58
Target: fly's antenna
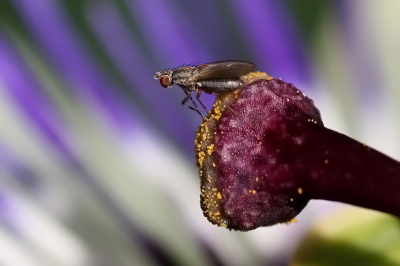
157,75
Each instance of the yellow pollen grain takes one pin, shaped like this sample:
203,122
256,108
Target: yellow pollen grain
292,221
253,191
219,195
253,76
210,149
300,190
213,164
201,158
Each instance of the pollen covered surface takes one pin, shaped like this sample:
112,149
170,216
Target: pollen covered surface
210,196
245,172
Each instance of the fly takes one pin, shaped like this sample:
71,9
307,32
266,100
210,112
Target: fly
212,78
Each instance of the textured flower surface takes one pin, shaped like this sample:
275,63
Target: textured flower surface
96,161
263,158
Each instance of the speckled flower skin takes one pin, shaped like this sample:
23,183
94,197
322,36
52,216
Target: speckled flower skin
253,182
252,147
263,153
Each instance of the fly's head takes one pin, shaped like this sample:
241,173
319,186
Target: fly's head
165,78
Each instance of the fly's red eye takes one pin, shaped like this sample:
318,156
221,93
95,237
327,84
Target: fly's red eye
165,81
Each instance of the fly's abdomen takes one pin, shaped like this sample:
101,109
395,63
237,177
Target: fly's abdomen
220,85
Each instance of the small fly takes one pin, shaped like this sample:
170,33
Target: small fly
212,78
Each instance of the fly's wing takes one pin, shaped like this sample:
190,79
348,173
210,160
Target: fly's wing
222,70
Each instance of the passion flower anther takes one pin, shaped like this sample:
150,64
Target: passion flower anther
263,153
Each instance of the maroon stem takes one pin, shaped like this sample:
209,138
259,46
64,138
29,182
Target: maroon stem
342,169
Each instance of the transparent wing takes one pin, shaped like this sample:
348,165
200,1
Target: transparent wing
222,70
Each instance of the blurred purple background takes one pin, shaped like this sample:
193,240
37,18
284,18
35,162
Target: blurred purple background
96,158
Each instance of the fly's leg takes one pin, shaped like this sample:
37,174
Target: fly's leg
189,96
198,98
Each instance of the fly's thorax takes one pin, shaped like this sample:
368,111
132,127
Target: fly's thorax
181,76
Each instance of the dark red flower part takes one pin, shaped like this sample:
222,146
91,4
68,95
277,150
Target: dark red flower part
267,154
